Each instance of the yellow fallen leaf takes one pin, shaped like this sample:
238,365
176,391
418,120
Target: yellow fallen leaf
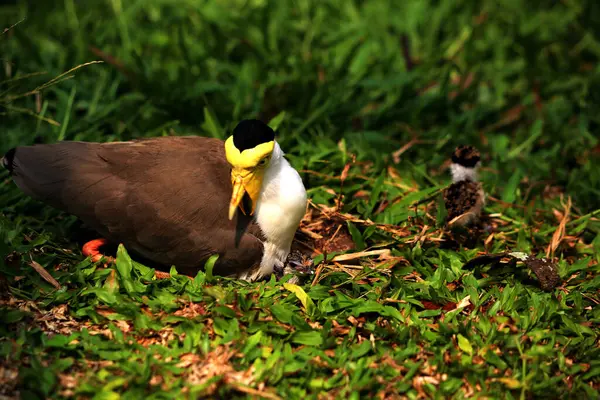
511,383
302,296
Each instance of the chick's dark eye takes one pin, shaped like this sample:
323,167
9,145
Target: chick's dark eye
264,161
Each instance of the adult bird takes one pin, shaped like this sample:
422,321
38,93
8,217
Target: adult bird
174,200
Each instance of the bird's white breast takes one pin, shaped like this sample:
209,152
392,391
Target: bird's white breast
462,173
279,210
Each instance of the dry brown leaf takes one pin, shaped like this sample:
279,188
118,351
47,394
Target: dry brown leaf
44,274
344,174
419,381
396,154
559,234
201,369
311,234
353,256
9,380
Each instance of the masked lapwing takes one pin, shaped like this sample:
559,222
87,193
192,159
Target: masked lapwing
176,200
464,198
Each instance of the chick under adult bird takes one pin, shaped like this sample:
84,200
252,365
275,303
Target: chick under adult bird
464,198
175,200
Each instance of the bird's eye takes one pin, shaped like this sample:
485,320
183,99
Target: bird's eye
263,162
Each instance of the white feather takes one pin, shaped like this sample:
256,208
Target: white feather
279,210
462,173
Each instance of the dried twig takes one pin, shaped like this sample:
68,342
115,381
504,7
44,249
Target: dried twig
44,274
360,254
559,234
254,392
11,27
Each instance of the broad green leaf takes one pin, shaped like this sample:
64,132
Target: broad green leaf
282,314
252,342
123,263
208,267
309,338
361,350
8,316
509,194
356,236
144,271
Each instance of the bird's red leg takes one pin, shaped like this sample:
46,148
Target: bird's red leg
162,275
91,249
167,275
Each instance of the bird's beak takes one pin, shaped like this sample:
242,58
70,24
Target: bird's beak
244,181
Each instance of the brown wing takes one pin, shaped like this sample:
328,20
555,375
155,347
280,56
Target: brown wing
166,198
463,197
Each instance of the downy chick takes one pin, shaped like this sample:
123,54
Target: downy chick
465,197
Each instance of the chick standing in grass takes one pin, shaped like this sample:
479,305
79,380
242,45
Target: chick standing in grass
464,198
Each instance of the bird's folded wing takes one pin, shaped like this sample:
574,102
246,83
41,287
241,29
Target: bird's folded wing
165,198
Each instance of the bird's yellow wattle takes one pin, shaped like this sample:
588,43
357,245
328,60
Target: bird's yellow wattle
244,181
247,173
248,158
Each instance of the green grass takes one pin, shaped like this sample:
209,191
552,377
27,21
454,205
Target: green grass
357,82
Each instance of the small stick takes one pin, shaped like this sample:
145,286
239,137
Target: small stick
44,274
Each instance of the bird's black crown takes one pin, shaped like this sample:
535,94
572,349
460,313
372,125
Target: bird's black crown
467,156
249,133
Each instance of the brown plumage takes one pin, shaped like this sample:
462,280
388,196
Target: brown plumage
165,199
464,202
